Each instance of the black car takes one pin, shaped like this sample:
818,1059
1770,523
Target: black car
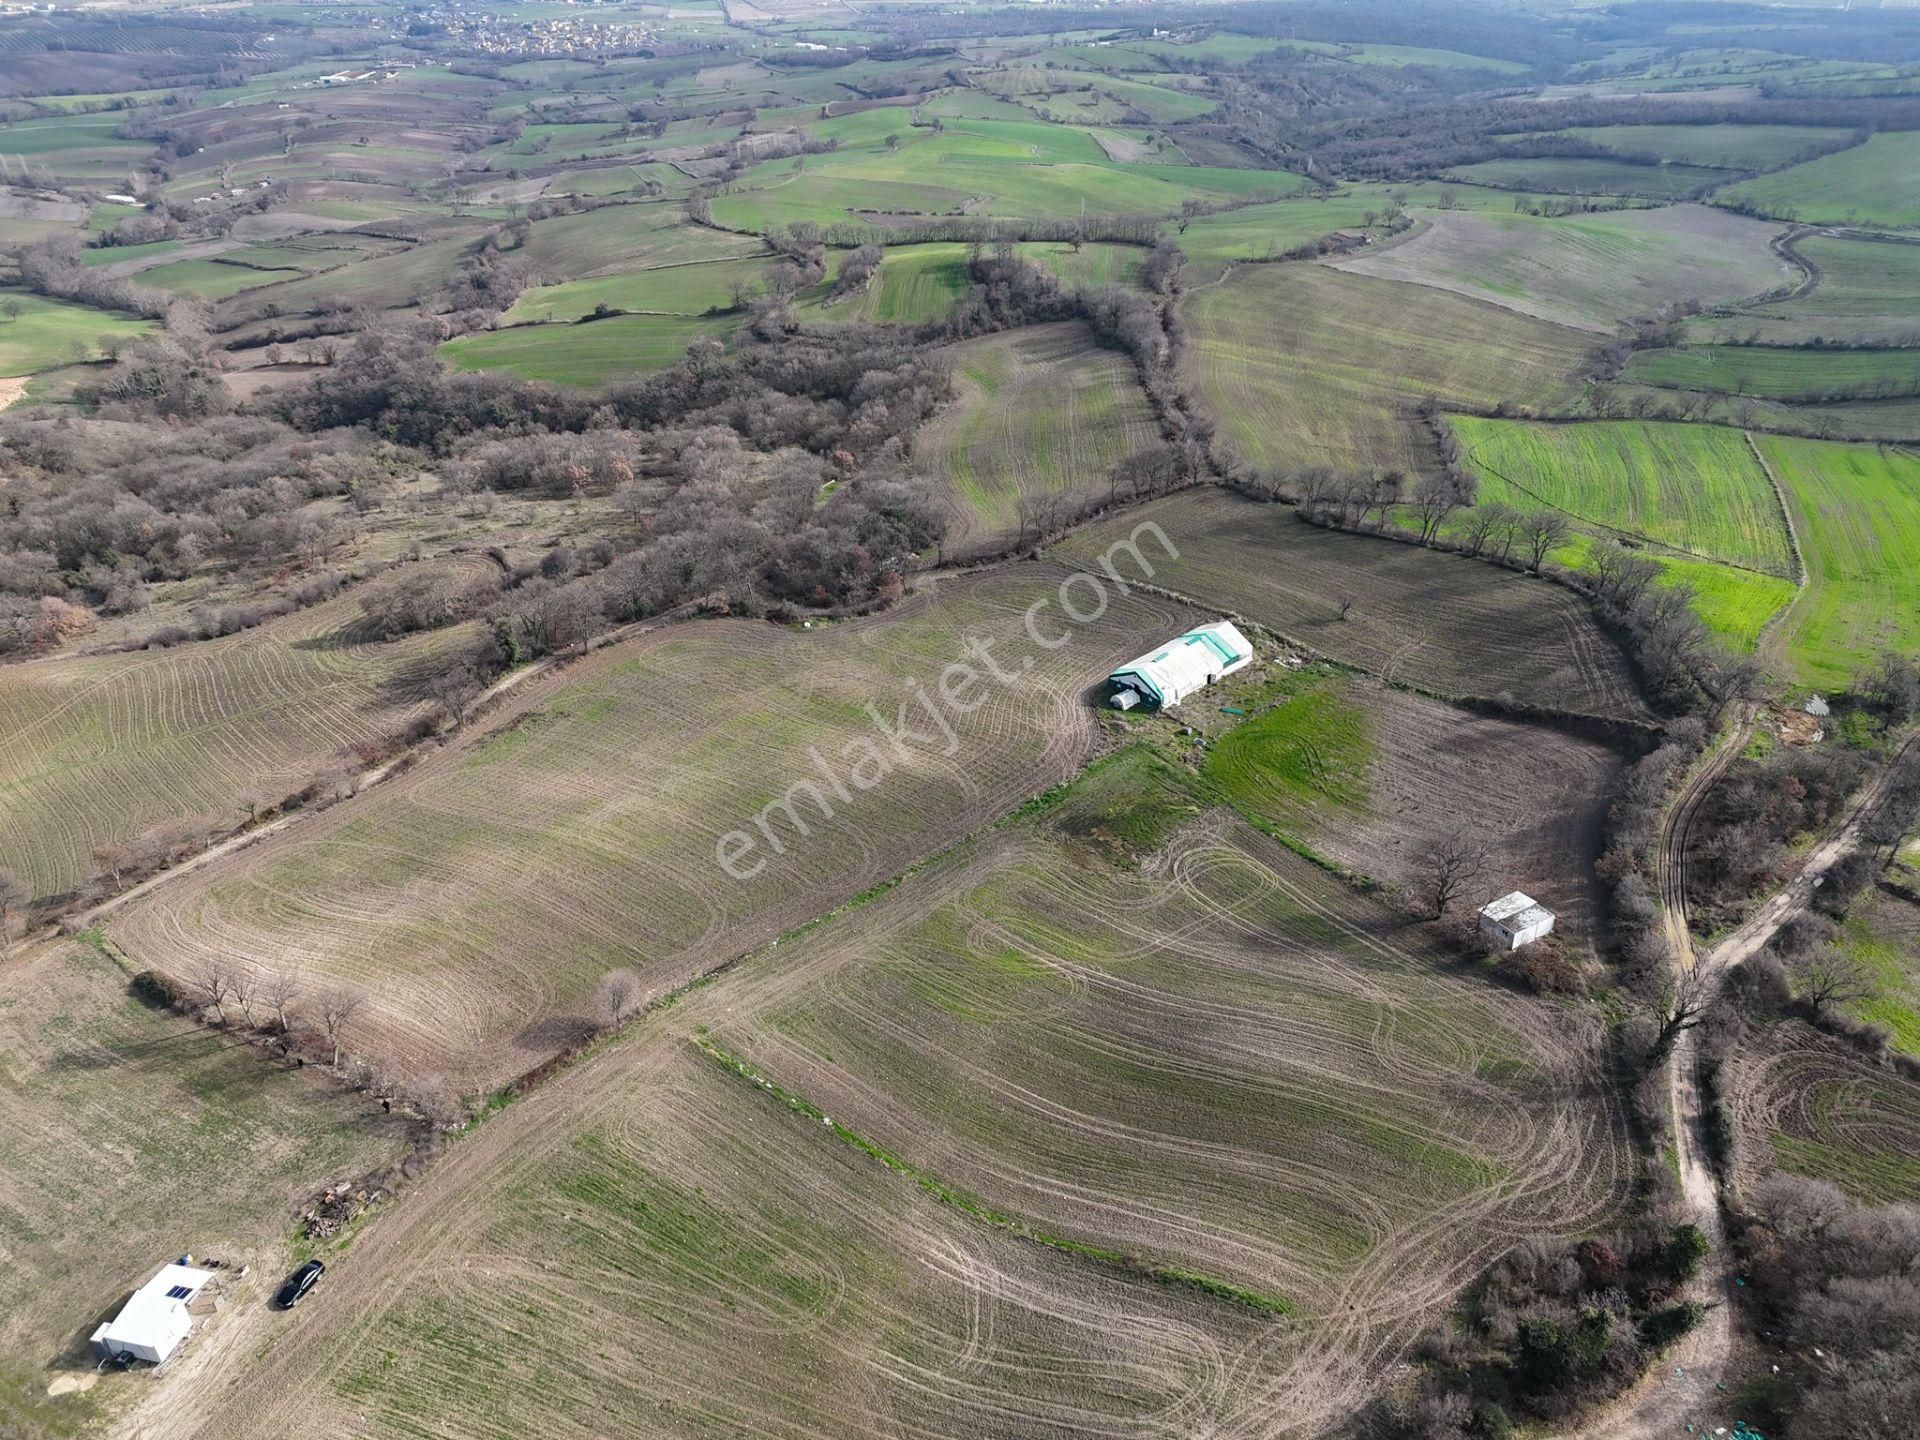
298,1284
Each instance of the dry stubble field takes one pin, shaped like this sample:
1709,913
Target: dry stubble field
1439,621
938,1168
480,897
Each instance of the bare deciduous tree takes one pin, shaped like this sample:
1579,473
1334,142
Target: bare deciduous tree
210,982
1435,498
1542,530
1688,1001
1448,866
244,984
1826,978
279,992
14,894
337,1007
618,993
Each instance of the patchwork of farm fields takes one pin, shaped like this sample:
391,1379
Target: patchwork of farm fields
1306,365
1857,508
1041,414
1591,271
479,897
1044,1139
95,750
1439,621
1867,291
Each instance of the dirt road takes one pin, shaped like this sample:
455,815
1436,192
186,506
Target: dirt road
1685,1387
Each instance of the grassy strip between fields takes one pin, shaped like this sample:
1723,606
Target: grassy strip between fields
947,1195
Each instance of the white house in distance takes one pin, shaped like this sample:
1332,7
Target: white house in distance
1514,920
151,1325
1189,662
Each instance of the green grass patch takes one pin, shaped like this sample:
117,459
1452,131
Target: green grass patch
1778,373
1877,183
586,353
1858,512
1308,748
1696,489
1731,147
1581,175
49,333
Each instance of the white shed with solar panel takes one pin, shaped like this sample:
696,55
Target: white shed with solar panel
1186,663
151,1325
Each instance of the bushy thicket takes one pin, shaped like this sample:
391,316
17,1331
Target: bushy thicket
1554,1327
1839,1285
100,510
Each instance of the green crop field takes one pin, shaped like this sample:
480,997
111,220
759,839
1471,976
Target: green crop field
673,290
586,353
1882,932
581,826
1877,183
1575,175
1304,365
1041,413
916,284
1257,232
47,333
1400,55
1693,488
1731,147
1858,511
95,750
211,279
1773,372
131,1135
1443,622
1592,271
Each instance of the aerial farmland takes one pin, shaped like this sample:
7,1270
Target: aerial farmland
754,718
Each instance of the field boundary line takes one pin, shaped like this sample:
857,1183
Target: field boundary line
1764,643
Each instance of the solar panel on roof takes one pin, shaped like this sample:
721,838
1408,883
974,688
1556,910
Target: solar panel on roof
180,1292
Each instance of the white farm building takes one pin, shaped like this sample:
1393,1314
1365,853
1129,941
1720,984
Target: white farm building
1189,662
1514,920
151,1325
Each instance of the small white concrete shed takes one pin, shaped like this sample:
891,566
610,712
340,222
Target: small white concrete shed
1514,920
153,1322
